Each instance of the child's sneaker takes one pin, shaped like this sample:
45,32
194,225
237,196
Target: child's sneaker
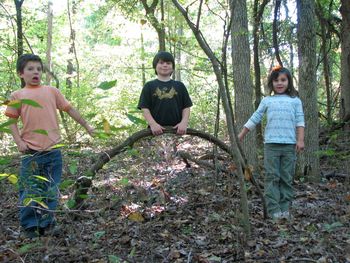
51,230
286,215
32,232
277,216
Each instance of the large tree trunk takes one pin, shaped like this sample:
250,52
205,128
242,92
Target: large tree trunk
243,84
345,62
309,161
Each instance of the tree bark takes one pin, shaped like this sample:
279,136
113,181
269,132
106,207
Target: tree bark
18,4
243,84
309,161
151,17
275,31
258,14
325,63
235,147
345,62
49,41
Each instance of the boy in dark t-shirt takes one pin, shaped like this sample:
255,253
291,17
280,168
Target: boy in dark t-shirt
165,102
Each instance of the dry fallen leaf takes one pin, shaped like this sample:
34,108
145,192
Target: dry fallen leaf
136,216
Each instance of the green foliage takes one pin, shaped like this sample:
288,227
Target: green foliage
331,227
114,259
29,247
12,178
66,184
106,85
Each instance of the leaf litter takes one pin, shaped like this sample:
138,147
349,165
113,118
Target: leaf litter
150,207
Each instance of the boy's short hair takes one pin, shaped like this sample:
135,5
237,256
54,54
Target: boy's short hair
165,56
24,59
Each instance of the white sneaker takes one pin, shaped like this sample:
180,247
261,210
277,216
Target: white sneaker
285,215
277,215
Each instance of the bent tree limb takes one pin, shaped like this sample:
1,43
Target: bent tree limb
84,183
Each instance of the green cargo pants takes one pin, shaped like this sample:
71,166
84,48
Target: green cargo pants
279,162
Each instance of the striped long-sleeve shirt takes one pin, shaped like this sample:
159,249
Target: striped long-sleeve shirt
284,114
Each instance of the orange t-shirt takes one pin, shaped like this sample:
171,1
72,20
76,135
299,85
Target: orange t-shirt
39,118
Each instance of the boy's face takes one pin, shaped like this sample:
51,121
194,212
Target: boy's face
32,73
164,68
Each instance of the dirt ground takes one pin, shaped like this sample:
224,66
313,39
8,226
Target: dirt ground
147,206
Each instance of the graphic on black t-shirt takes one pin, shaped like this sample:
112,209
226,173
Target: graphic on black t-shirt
164,93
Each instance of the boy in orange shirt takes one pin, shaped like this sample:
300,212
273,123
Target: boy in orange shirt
40,132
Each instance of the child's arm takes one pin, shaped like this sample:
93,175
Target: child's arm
243,133
300,139
21,145
155,127
77,117
182,126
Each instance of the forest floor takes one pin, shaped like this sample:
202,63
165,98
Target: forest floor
147,206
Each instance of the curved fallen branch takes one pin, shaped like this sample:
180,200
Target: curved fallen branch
129,142
84,183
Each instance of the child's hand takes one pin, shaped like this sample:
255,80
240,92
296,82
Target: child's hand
156,129
299,146
240,136
181,128
22,146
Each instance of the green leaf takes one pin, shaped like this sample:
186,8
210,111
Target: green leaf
42,178
113,259
99,234
331,227
71,203
13,179
8,123
136,120
28,247
124,181
5,130
66,183
106,85
73,168
83,196
31,103
57,146
40,131
27,201
4,161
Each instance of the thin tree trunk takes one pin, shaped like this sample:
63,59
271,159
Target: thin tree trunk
275,31
258,13
18,4
217,67
243,84
345,62
151,17
309,161
325,63
49,41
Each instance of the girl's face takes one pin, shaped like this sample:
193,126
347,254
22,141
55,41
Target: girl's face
280,85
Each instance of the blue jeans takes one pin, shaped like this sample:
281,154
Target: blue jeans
40,175
279,164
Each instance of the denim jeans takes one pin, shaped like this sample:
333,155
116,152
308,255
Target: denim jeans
40,175
279,163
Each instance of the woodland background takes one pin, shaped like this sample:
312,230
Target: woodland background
146,204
